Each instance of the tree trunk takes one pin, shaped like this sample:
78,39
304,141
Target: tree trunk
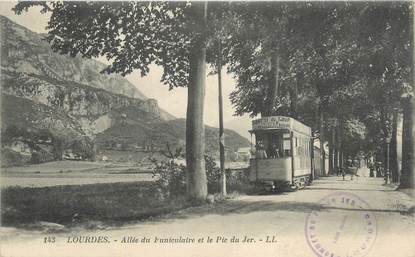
335,158
312,161
386,133
340,145
335,149
331,152
273,85
57,148
393,154
408,135
322,152
408,130
294,97
221,134
195,132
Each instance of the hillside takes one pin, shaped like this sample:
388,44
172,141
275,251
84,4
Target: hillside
43,119
25,51
133,134
56,107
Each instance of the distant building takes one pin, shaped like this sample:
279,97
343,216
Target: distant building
68,155
20,147
318,172
180,161
243,153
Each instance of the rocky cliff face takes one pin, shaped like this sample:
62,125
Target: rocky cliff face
91,107
52,105
71,97
71,114
65,100
25,51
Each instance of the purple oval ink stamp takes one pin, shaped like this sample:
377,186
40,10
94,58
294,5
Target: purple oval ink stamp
343,227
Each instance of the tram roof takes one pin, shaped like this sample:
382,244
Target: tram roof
280,123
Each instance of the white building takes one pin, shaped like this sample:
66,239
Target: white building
243,152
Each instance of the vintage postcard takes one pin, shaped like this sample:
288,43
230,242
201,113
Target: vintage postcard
200,129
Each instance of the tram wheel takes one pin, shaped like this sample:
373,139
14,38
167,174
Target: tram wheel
293,187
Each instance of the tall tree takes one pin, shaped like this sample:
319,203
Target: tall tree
195,129
132,35
394,162
255,54
353,58
386,34
407,176
408,133
222,21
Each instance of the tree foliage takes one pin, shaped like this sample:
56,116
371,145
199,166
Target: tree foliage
133,35
350,61
345,61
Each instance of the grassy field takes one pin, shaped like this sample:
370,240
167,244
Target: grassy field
55,167
61,173
77,166
75,205
128,156
70,178
77,193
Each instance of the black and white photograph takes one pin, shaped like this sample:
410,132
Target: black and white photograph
207,129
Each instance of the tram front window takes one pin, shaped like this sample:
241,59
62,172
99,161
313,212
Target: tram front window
270,146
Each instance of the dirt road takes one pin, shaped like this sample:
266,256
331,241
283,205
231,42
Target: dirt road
375,222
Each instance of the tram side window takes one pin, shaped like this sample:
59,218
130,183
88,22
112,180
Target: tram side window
287,147
300,146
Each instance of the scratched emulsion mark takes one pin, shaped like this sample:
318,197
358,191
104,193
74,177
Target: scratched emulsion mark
342,227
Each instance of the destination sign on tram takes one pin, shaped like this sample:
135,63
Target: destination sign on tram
275,122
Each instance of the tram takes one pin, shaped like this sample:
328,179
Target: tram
282,155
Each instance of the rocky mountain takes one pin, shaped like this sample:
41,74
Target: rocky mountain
54,106
25,51
50,118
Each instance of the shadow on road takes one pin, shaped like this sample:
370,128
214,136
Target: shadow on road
272,202
348,189
245,207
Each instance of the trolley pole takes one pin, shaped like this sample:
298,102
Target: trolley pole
221,134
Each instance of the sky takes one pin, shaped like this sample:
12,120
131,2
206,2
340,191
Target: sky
174,101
